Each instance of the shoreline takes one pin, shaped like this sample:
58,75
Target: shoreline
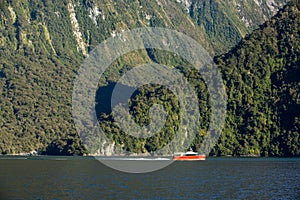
129,156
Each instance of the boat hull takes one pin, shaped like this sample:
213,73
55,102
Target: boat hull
189,158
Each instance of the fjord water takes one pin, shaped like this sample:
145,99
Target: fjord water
86,178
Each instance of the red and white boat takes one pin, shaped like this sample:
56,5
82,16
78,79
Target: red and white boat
189,156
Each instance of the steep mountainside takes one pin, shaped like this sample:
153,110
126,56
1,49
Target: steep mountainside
226,22
42,44
81,24
261,75
262,80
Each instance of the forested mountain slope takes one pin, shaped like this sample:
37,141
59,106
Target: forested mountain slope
225,22
262,76
42,45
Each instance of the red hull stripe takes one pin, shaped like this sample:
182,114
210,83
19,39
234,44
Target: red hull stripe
189,157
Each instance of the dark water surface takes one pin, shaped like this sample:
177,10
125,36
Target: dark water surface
215,178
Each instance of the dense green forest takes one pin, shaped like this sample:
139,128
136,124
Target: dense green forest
226,22
42,45
262,76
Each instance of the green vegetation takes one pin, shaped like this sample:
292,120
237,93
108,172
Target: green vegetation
226,22
40,55
262,82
